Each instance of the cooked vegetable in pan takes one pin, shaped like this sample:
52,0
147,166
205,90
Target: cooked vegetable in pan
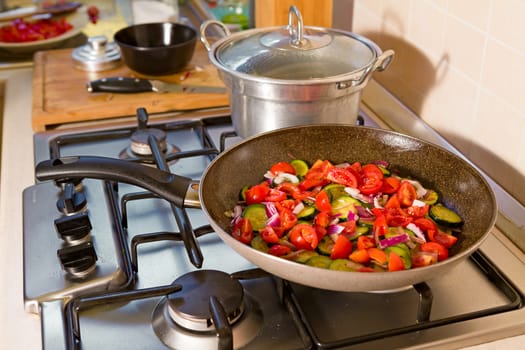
350,217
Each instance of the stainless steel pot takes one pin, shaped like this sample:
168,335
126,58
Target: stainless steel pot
293,75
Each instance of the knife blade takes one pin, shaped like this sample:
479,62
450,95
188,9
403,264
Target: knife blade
136,85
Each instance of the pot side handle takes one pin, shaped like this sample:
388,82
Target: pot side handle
171,187
384,60
204,27
381,63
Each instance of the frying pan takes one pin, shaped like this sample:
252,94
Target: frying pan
459,185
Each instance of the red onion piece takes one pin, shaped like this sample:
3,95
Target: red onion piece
334,229
390,241
382,163
419,236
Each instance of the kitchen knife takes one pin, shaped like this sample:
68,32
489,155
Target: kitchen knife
134,85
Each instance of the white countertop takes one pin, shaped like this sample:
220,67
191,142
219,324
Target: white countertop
21,330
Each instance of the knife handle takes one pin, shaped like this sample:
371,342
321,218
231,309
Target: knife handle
120,85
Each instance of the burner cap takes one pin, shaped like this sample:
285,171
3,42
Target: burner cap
189,308
182,320
140,144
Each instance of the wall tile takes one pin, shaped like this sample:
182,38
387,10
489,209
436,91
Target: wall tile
473,12
427,26
450,108
504,73
459,65
461,38
507,24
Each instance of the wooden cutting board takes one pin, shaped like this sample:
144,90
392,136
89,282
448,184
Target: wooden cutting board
60,95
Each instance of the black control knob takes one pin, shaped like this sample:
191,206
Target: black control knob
73,227
78,260
71,201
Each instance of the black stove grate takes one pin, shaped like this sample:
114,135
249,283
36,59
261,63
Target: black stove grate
289,292
422,319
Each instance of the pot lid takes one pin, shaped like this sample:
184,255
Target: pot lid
294,52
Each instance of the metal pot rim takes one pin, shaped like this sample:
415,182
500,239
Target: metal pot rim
252,55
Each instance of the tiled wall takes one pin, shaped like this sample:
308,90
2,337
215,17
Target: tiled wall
459,65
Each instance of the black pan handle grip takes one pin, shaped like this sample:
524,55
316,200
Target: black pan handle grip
166,185
120,85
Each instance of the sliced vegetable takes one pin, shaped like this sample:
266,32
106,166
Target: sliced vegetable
445,216
258,243
256,215
326,245
342,265
321,261
342,248
395,263
282,167
300,167
346,217
343,205
242,231
304,236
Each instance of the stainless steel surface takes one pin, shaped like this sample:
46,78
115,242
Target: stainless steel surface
97,55
465,290
265,77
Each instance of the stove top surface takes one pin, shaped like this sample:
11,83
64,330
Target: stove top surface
118,297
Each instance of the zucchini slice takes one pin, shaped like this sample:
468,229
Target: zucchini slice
258,243
325,245
300,166
343,205
445,216
307,213
319,261
342,265
256,213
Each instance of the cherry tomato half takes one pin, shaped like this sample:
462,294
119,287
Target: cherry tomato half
342,248
406,194
390,185
282,167
304,236
257,193
275,195
434,247
372,179
365,242
288,218
242,231
342,176
279,250
322,202
269,235
395,263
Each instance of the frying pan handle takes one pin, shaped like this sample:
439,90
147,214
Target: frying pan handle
171,187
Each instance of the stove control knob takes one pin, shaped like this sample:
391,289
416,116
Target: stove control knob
78,260
73,227
71,201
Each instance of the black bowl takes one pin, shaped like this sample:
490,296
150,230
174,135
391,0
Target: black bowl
156,48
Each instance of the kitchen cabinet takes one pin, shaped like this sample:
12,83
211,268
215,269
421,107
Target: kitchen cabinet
275,12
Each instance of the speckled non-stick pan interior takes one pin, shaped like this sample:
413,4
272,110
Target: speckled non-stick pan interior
460,187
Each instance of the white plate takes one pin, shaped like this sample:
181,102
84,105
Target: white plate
78,19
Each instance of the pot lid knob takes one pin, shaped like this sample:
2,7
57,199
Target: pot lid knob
96,55
294,36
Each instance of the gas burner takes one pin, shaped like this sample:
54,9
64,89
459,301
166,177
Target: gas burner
142,151
183,320
139,147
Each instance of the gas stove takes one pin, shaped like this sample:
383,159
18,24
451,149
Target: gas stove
109,265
